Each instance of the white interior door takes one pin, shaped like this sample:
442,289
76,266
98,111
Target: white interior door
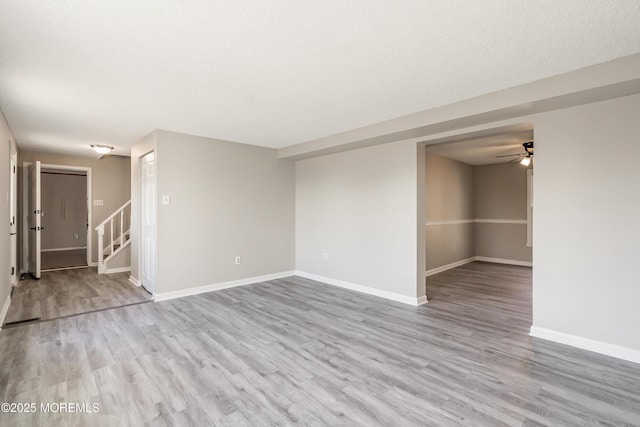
13,227
148,232
35,219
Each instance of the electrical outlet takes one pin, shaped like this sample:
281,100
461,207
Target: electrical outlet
98,203
453,246
325,257
238,260
75,236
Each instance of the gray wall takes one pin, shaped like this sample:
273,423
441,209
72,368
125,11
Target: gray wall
587,204
449,196
502,241
227,200
120,260
457,192
501,191
110,182
8,148
501,194
450,189
364,208
64,202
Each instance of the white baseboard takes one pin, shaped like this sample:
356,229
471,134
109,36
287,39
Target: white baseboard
449,266
504,261
78,267
5,309
134,281
476,220
364,289
93,264
162,296
476,258
607,349
63,249
117,270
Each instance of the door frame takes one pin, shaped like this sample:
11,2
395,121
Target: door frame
25,206
154,285
13,215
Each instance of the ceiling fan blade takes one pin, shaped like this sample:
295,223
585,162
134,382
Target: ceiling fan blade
509,155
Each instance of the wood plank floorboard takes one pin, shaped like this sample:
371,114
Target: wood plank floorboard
298,352
69,292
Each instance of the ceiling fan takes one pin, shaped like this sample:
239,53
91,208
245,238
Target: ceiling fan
526,157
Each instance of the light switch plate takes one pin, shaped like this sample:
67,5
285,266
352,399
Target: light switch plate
166,199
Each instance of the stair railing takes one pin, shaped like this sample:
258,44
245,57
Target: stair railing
116,223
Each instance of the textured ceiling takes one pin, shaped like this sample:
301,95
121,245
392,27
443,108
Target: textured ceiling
275,73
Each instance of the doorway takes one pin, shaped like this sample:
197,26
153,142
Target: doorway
65,218
57,219
148,223
478,198
45,294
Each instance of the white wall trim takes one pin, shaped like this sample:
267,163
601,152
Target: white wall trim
450,222
504,261
162,296
364,289
448,266
476,258
5,309
134,281
117,270
501,221
77,267
529,242
63,249
607,349
476,220
93,264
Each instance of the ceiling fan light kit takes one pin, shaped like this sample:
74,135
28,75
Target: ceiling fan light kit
527,156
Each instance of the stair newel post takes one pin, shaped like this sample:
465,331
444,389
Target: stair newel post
101,249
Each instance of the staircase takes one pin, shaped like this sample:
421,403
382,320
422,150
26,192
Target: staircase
118,236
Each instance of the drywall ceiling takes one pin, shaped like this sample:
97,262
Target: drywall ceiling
276,73
483,150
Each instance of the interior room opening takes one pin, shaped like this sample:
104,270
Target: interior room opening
479,210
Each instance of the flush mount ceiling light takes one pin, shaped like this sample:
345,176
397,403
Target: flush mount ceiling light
102,149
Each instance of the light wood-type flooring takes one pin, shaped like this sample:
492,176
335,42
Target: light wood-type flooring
298,352
68,292
63,259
